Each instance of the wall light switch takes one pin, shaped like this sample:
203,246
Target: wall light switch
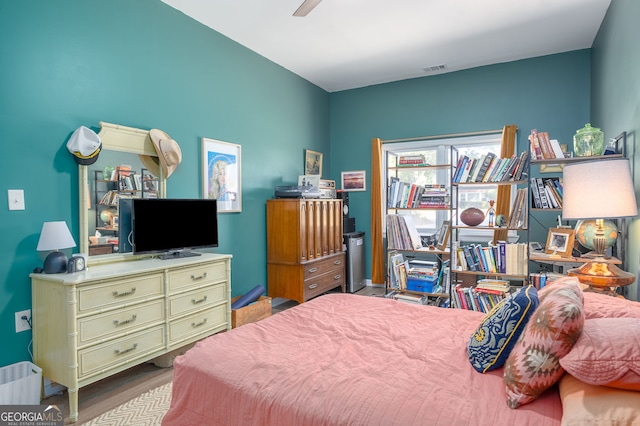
16,199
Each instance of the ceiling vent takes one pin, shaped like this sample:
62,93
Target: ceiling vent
435,68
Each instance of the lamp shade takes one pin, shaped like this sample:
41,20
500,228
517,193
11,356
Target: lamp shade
598,189
55,236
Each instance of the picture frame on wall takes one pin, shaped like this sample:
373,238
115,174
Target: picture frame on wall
354,180
443,235
560,242
222,174
312,162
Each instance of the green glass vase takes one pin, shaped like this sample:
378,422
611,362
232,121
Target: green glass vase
588,141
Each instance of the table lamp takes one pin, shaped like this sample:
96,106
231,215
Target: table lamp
599,190
55,236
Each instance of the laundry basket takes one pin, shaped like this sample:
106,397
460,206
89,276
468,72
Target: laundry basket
20,384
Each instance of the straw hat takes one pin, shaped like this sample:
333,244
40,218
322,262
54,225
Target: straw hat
169,154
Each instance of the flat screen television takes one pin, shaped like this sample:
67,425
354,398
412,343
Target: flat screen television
173,227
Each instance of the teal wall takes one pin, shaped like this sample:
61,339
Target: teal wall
141,64
615,92
549,93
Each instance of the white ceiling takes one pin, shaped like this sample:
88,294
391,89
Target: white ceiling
345,44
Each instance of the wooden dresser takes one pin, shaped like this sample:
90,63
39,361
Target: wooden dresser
92,324
304,248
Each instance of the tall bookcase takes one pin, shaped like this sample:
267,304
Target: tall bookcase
485,259
418,194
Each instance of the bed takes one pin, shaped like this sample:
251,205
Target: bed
346,359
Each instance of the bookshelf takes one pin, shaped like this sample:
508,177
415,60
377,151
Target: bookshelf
474,262
418,196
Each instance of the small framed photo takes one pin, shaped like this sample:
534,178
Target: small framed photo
114,222
309,180
222,174
312,162
354,181
560,242
443,235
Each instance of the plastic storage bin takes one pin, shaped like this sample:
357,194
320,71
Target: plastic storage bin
20,384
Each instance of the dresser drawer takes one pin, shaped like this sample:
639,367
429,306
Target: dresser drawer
317,285
323,265
105,326
101,357
182,279
197,323
114,293
196,299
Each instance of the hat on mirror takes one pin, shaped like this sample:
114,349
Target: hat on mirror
85,145
168,150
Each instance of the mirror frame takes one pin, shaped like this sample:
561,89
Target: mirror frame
114,137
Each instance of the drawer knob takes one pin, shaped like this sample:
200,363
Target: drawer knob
199,324
199,277
123,322
124,351
312,270
337,276
195,302
312,286
124,293
337,262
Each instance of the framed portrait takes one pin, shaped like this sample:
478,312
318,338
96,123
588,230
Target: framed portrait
354,181
312,162
222,174
443,235
114,222
560,242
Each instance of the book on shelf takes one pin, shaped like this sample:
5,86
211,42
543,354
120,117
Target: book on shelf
486,162
402,233
518,218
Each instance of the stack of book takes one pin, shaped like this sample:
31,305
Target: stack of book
544,148
478,298
503,258
423,276
491,168
402,233
412,160
519,217
406,195
546,193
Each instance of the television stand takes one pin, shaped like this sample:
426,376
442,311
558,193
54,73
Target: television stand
178,254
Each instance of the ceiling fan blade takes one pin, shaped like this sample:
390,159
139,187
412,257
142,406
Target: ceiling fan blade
306,7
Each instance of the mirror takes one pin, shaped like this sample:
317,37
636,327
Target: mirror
101,184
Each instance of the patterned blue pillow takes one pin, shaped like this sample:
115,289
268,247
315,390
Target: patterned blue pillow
489,346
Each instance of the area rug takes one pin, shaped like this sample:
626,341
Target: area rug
147,409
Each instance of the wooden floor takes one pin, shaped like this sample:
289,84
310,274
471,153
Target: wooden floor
109,393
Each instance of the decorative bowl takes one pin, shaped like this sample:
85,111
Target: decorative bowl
472,216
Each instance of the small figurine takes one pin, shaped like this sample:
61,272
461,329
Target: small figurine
491,213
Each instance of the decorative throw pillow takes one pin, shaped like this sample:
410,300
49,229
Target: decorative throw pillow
607,353
584,404
533,365
490,345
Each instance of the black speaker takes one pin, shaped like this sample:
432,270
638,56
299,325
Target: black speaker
348,225
345,203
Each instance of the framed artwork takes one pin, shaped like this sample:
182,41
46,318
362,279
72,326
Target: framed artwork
222,174
312,162
309,180
560,242
354,181
443,235
114,222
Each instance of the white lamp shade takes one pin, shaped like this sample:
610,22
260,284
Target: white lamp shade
598,190
55,236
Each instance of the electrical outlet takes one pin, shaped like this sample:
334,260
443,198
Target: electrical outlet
23,324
